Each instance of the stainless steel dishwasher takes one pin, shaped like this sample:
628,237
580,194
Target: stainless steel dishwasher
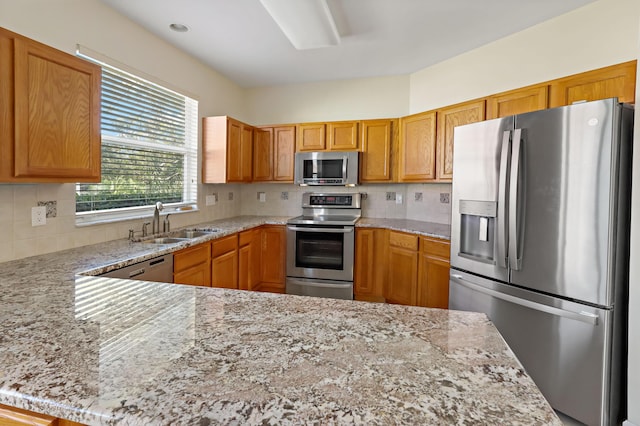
158,269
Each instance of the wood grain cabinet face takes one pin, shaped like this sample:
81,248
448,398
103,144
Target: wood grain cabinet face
609,82
10,416
249,259
370,264
416,162
310,137
448,119
274,150
227,146
402,274
343,136
192,265
273,252
433,273
224,262
50,129
377,138
519,101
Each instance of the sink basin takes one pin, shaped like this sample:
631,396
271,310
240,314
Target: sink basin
190,233
165,240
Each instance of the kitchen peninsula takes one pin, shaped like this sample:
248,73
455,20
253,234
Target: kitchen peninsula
99,350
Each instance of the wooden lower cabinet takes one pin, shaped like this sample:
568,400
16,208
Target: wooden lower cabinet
224,262
10,416
402,273
192,265
273,255
249,259
370,264
433,273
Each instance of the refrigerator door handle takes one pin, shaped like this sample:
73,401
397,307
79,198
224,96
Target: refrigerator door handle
515,261
501,220
586,317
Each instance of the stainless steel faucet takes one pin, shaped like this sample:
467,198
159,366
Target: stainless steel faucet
144,229
166,226
156,218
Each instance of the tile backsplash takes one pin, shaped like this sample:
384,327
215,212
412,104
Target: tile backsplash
60,232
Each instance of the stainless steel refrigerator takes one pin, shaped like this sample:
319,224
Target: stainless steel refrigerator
539,242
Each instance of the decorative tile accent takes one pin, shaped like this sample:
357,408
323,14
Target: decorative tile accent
284,195
52,208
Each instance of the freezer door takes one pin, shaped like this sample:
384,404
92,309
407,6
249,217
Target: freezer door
481,154
563,346
562,219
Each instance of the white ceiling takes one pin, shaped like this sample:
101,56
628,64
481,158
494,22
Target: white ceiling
240,40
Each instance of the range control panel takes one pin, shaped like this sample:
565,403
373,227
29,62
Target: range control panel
343,200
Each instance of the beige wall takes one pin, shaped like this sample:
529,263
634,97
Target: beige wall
63,24
600,34
330,101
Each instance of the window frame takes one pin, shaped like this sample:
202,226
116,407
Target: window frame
190,150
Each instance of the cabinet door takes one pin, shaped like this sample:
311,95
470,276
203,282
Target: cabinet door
249,259
274,250
433,273
370,264
448,119
377,140
614,81
263,154
197,275
10,416
56,115
246,153
416,162
402,274
283,154
343,136
234,150
519,101
224,270
311,137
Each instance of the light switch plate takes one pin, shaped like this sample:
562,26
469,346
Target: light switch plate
38,216
211,200
398,198
262,196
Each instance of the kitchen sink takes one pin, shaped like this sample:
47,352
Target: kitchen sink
191,233
165,240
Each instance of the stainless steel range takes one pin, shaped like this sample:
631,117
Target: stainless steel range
321,245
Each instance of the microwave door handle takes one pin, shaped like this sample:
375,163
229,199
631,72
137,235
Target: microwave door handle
516,185
344,168
502,221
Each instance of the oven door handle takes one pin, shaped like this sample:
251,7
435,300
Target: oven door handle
322,230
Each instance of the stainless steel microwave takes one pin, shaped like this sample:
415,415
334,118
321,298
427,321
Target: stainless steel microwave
327,168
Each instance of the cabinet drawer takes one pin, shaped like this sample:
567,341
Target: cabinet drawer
245,237
189,257
435,247
400,239
224,245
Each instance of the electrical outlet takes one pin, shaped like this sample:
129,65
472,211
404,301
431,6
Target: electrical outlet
231,196
398,198
262,197
391,196
284,195
211,199
38,216
444,197
418,196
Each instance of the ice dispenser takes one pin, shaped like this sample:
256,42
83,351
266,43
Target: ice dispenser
477,230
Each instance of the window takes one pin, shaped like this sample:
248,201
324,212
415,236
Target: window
149,149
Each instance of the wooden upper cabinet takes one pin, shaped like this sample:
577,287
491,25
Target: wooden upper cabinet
343,136
284,145
263,154
311,137
227,146
518,101
416,154
609,82
377,140
448,119
273,154
50,121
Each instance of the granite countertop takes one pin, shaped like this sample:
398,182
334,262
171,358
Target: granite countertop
427,229
108,351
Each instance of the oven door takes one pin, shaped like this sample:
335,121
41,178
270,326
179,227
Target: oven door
321,252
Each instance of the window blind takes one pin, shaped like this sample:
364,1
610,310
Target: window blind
149,146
